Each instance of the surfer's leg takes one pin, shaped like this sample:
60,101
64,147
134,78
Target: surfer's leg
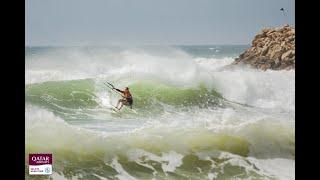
124,102
121,105
118,103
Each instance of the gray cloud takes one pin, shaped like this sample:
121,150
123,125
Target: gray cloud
107,22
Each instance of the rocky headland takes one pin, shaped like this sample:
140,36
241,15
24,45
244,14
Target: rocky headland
272,48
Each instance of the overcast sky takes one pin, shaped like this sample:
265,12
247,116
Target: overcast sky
116,22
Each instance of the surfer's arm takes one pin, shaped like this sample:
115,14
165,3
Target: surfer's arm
119,90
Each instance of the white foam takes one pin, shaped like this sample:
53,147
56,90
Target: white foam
123,175
57,176
169,161
76,64
174,160
283,169
266,89
100,177
212,176
269,89
46,131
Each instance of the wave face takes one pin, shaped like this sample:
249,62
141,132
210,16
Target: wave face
192,117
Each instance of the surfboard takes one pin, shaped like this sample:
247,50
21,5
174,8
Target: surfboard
113,108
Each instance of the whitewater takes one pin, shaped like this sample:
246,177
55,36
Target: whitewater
193,116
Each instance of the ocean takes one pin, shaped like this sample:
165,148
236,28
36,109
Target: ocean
192,117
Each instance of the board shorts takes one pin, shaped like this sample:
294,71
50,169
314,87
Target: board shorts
128,101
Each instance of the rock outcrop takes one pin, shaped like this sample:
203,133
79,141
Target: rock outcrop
272,48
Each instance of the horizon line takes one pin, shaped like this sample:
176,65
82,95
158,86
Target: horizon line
119,45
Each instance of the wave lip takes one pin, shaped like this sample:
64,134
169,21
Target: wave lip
77,98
